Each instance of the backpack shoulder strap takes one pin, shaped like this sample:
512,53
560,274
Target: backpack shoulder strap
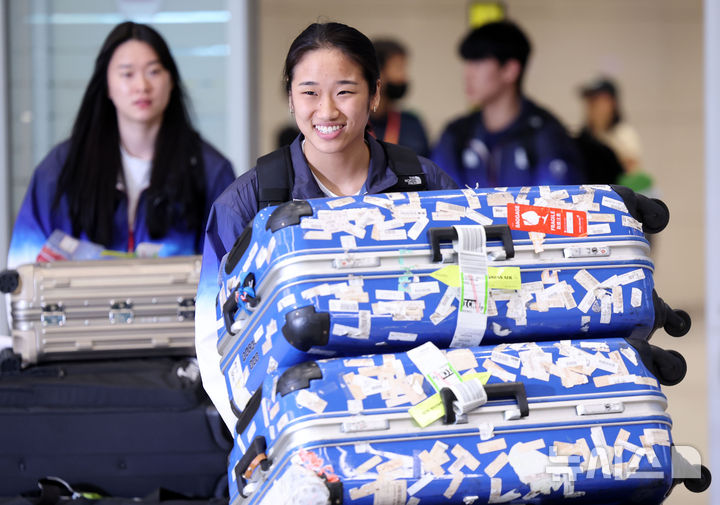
275,176
405,164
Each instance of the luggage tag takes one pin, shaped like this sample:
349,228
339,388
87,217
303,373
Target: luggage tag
471,248
436,368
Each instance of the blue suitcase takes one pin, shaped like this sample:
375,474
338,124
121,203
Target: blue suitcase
383,273
582,420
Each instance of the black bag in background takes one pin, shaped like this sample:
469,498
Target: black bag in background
123,428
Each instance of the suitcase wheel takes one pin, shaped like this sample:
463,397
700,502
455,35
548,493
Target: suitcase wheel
9,281
655,213
678,323
701,483
671,366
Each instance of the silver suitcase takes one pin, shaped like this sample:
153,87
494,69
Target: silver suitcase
103,308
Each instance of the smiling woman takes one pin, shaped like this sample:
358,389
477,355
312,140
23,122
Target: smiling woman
332,81
134,169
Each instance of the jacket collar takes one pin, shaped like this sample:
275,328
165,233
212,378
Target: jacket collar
379,178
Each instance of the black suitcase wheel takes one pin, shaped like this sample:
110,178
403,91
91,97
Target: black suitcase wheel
678,323
701,483
9,281
655,213
670,365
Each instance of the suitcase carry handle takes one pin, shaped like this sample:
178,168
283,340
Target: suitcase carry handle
238,249
494,392
255,456
496,231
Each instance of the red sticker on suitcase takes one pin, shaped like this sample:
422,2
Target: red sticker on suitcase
572,223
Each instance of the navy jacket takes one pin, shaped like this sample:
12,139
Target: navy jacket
37,218
229,215
534,150
412,133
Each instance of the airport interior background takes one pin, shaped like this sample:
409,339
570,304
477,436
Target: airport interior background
654,49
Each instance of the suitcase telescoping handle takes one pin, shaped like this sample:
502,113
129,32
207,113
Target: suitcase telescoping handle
496,231
494,392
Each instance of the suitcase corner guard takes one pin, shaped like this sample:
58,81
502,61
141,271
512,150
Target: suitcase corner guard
288,214
9,281
305,328
298,377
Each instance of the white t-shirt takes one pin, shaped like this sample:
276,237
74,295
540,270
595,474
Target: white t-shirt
136,172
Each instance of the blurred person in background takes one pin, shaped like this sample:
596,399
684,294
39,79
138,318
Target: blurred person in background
508,140
605,122
389,122
134,169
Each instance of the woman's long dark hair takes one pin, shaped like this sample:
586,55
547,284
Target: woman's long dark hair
89,176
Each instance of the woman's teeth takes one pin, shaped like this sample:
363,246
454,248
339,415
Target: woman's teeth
328,129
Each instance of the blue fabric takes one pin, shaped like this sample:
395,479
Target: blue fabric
229,215
534,150
37,218
412,133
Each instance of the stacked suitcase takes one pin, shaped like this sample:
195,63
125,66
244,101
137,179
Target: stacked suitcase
101,388
470,346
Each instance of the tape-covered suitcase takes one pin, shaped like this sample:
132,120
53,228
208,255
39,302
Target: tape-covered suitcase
122,428
103,308
584,421
359,274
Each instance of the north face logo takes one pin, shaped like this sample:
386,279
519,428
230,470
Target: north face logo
413,180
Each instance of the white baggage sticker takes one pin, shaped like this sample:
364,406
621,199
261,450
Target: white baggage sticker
250,257
419,289
261,257
343,306
317,235
403,337
380,202
478,217
617,300
505,359
368,465
614,204
495,445
499,212
472,199
631,222
599,229
499,198
594,217
388,294
417,228
420,483
340,202
310,401
348,242
287,301
454,485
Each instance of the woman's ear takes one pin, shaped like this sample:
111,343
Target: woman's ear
375,101
290,105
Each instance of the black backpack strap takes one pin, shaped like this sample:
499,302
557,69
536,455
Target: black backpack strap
275,177
405,164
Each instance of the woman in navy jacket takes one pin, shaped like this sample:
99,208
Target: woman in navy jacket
134,169
332,81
